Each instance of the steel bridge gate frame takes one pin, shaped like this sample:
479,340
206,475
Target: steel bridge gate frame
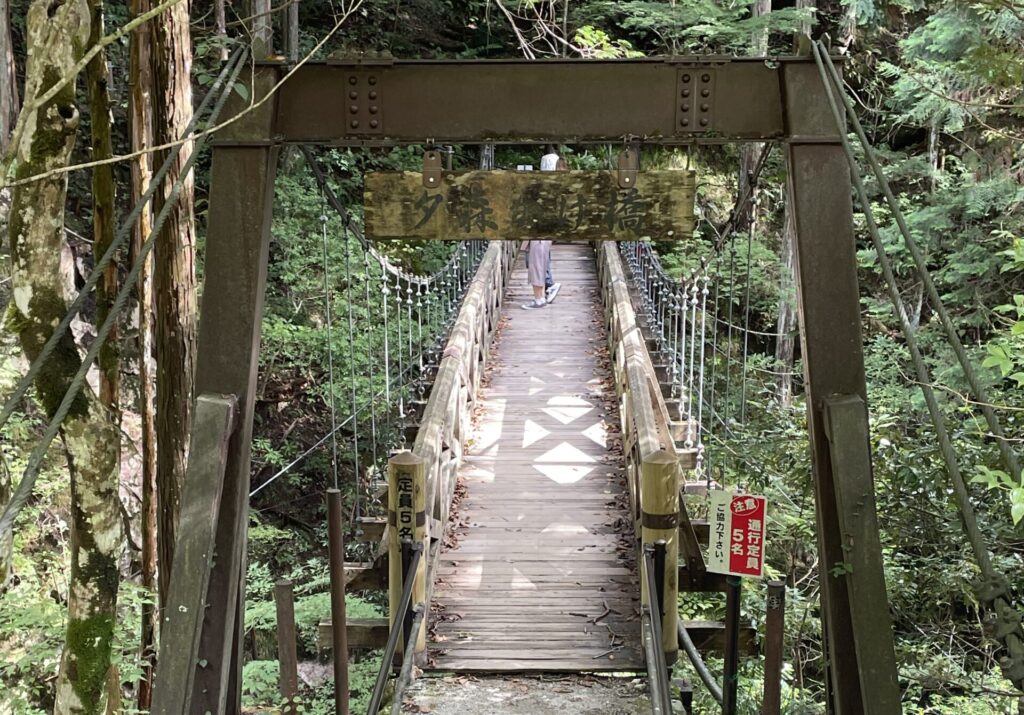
668,101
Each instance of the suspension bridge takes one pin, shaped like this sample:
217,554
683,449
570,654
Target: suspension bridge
536,516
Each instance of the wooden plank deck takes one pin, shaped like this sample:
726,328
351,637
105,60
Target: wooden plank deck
540,554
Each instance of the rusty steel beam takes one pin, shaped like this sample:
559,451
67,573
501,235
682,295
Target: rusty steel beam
657,100
855,613
660,101
237,247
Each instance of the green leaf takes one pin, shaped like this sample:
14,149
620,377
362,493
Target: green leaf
1017,513
242,91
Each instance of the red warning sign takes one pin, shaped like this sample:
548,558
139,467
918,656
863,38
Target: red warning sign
736,544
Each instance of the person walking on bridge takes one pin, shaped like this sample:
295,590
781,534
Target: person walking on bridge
538,257
551,161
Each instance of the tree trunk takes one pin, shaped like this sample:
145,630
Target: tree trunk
221,27
750,154
140,72
785,330
96,77
9,104
262,29
57,33
6,537
8,115
174,277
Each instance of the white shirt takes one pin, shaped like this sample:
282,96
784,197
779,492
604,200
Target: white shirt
549,162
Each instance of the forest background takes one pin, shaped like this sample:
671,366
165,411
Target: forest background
937,83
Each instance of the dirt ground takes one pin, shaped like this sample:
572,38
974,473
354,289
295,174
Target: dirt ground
527,695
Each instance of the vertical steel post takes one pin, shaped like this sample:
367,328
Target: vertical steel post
659,576
730,679
237,246
339,625
854,605
287,655
773,631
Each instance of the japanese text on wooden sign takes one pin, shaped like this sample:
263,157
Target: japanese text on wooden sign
736,544
406,511
583,205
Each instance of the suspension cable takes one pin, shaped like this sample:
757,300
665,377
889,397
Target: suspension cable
1008,454
31,473
330,342
993,587
122,235
352,363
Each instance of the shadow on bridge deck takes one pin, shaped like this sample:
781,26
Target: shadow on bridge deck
541,577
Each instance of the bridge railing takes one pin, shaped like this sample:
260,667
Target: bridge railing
422,480
654,465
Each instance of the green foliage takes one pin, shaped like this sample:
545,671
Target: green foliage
689,26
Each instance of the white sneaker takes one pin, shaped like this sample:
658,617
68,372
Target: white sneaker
535,304
552,292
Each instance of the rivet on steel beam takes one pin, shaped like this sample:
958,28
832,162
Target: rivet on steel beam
705,92
686,92
703,122
374,123
705,77
686,78
372,80
685,122
373,109
704,107
685,107
355,123
373,94
354,109
353,80
353,94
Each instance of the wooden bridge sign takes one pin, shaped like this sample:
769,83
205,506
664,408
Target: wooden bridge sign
581,205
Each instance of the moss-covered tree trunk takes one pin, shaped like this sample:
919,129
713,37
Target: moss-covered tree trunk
57,32
174,276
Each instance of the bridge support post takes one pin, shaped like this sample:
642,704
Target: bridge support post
855,613
659,522
238,239
407,525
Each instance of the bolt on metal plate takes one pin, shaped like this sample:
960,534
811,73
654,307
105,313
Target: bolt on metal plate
695,100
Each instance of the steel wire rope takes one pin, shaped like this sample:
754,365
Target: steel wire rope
714,370
352,418
31,473
352,363
349,222
701,449
122,235
385,292
330,341
727,394
1008,454
993,588
369,361
746,309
